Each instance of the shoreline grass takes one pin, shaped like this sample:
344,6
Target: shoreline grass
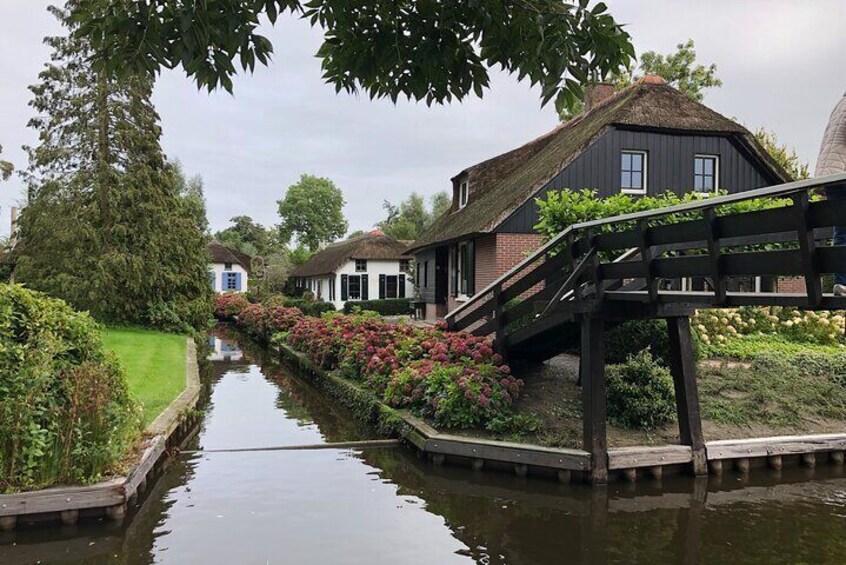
154,363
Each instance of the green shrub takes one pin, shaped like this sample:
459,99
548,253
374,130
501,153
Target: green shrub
384,307
566,207
640,393
65,411
631,337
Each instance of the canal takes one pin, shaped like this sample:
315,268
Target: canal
387,506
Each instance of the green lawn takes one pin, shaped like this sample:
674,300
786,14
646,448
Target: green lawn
154,363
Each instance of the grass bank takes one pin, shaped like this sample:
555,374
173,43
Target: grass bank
778,393
154,363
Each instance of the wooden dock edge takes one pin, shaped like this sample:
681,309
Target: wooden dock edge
566,464
112,496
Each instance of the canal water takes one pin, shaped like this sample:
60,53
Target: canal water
387,506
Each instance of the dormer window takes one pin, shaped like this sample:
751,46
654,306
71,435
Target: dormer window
463,194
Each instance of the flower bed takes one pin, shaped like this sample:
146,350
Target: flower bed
455,379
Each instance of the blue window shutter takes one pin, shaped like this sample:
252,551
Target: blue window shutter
223,281
237,281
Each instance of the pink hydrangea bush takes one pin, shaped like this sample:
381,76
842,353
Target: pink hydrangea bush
454,378
228,305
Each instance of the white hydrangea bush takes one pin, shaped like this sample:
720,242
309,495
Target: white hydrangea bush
716,327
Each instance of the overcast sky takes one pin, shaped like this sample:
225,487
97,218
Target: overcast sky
783,65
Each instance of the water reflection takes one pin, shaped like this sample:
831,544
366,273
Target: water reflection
224,350
389,506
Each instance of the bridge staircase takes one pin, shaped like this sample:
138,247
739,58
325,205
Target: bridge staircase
599,273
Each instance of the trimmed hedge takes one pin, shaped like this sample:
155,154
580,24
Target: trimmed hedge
384,307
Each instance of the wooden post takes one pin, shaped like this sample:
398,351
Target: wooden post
646,260
683,370
813,283
713,241
593,397
499,338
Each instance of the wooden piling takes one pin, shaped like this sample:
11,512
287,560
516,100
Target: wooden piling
775,462
683,370
477,464
593,397
809,460
69,517
742,465
565,476
116,512
521,469
630,475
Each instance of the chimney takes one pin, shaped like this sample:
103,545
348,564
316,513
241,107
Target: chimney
597,93
653,79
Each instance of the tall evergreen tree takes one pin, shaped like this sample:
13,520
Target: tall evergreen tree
105,226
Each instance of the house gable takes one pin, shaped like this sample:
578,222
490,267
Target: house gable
669,168
501,185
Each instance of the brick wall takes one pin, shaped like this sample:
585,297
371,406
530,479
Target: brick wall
486,260
791,285
511,248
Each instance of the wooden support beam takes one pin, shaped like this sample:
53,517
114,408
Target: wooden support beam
593,397
683,370
646,259
499,335
712,238
807,245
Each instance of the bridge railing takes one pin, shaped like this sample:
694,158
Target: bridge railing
601,259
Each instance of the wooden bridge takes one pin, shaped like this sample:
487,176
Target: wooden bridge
593,274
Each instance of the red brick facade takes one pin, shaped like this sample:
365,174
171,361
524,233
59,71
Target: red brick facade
791,285
511,248
496,254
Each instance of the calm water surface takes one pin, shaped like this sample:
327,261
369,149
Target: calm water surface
387,506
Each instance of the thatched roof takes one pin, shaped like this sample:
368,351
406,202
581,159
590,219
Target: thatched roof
502,184
372,245
221,253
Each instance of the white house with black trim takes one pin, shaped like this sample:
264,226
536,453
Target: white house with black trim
366,267
229,270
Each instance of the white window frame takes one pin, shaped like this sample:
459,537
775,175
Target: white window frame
716,159
459,272
463,193
645,172
405,265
